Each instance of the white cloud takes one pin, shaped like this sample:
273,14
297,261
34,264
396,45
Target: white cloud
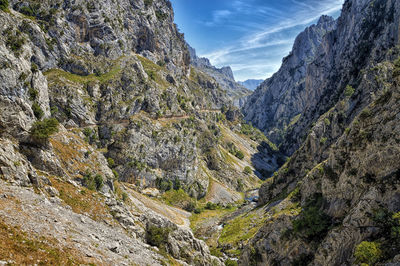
279,36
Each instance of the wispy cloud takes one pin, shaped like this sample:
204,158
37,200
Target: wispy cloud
245,55
218,16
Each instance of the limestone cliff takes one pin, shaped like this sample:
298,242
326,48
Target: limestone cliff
279,100
338,194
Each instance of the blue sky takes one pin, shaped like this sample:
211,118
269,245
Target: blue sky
251,36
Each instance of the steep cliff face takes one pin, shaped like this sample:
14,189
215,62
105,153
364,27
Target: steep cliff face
338,194
278,101
224,76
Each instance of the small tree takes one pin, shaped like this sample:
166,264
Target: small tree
41,130
37,111
247,170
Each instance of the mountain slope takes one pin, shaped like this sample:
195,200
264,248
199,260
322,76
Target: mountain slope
338,194
224,76
279,99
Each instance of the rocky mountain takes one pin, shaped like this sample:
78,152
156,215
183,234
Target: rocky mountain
106,129
251,84
279,100
336,200
224,76
118,145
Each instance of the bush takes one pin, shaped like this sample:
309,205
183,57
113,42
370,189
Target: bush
110,162
157,236
211,206
124,196
368,252
93,182
247,170
33,94
3,5
15,42
349,91
230,262
239,154
98,180
41,130
37,111
164,185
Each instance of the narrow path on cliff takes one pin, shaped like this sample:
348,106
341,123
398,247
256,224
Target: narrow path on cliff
126,122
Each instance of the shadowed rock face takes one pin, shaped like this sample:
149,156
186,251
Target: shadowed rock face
283,96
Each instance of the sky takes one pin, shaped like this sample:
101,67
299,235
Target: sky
251,36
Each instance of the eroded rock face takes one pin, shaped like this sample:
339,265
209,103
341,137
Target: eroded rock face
279,99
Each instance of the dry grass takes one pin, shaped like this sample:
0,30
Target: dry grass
82,200
24,249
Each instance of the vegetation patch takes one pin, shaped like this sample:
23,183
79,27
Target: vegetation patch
313,223
42,130
179,198
241,229
82,201
368,252
4,5
157,236
24,249
56,74
152,71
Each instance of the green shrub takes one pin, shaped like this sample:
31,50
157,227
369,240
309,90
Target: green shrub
110,162
368,252
98,180
3,5
322,141
37,111
93,182
247,170
239,154
177,184
161,15
116,175
41,130
313,223
124,196
33,94
230,262
349,91
164,185
211,206
15,42
157,236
